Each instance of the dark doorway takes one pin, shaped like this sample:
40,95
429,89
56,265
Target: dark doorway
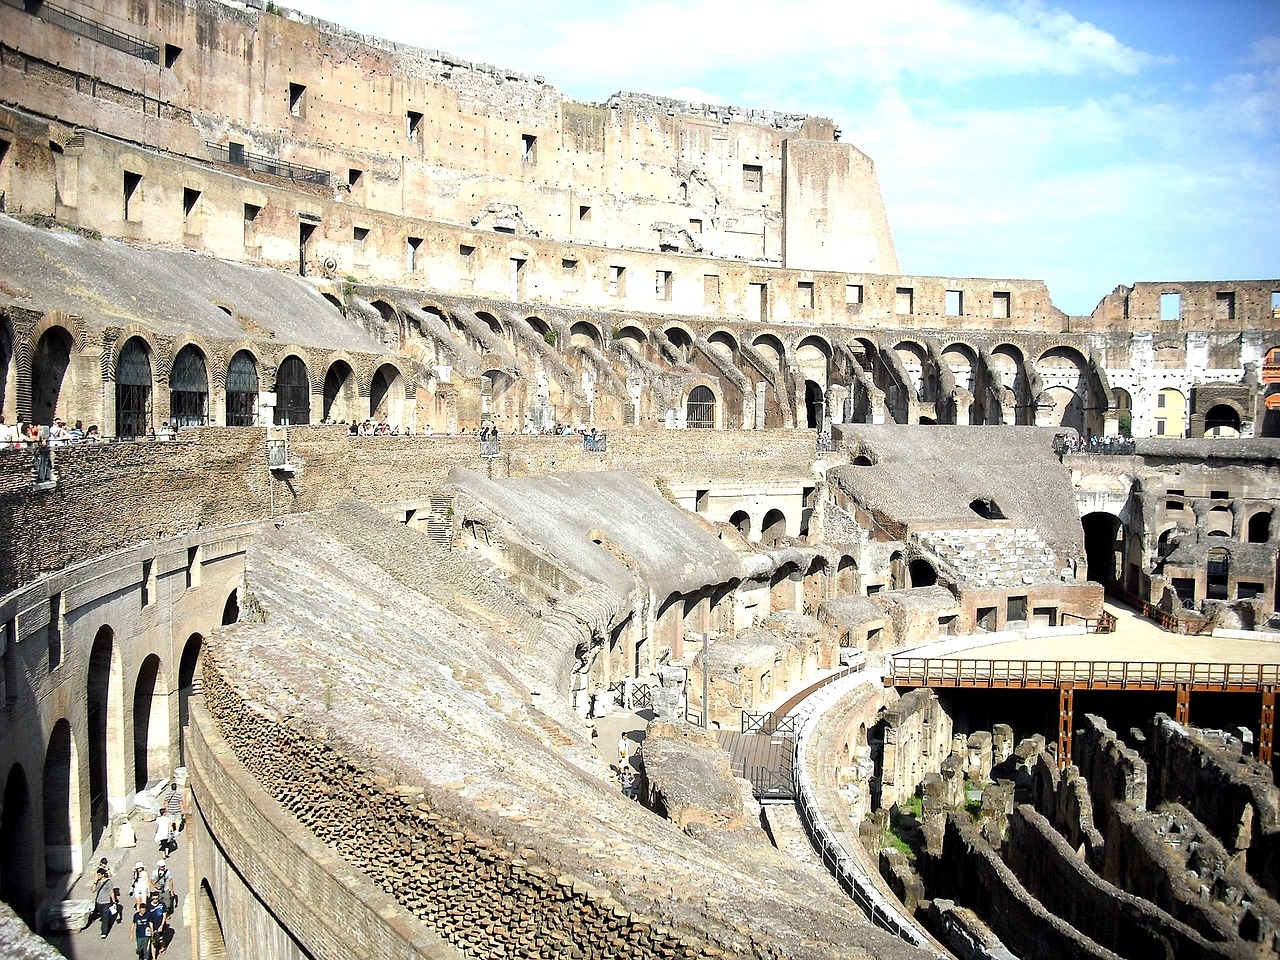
48,371
1103,547
293,393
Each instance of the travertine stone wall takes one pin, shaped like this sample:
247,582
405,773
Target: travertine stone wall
1113,770
916,735
443,869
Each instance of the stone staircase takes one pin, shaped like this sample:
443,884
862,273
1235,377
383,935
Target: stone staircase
439,522
993,558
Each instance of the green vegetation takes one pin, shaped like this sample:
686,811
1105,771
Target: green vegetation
550,337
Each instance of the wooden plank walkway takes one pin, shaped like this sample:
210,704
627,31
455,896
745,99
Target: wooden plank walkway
764,760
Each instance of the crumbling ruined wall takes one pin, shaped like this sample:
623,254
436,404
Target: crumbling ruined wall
1112,770
916,738
1062,797
1234,797
1050,871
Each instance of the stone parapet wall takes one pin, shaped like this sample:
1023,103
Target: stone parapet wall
445,871
1113,770
109,496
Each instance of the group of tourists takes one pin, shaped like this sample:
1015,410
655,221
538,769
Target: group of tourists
1065,443
153,895
55,434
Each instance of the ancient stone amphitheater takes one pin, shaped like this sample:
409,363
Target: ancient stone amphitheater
478,462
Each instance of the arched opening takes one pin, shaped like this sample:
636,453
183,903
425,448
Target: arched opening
1219,522
540,327
1122,404
150,725
1171,413
681,344
846,571
1270,423
6,361
724,344
633,338
189,388
782,588
1068,408
815,404
490,321
133,389
770,348
741,521
386,311
962,361
1009,372
61,796
915,361
386,395
700,409
340,393
1260,527
49,364
17,839
1103,547
1219,572
210,944
335,303
1222,420
921,573
231,609
583,334
293,392
242,390
773,528
106,731
188,675
897,570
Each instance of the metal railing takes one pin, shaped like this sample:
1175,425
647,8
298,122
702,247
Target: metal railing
1096,446
91,30
277,455
235,154
770,724
826,443
598,443
1080,674
491,448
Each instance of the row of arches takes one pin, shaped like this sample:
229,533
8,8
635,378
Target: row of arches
48,824
138,372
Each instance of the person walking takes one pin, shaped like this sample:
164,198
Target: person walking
140,885
106,899
142,930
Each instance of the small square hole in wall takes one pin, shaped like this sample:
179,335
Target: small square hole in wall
251,211
358,237
353,176
465,252
413,124
189,200
171,55
584,212
852,294
695,226
297,99
411,247
528,148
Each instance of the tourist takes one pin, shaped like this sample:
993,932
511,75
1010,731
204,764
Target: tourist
8,434
156,914
58,432
92,436
174,805
140,885
106,899
76,433
142,930
162,880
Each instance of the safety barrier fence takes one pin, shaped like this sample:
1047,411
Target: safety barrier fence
1080,674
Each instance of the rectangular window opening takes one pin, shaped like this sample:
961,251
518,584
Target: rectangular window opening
852,294
4,150
955,303
904,301
358,237
132,182
757,302
528,148
353,176
297,99
617,281
55,630
1219,494
711,289
193,566
235,153
753,177
413,124
584,212
662,285
804,293
1017,609
1275,294
695,226
1170,306
1001,305
411,247
10,692
568,273
189,200
148,583
171,55
1224,307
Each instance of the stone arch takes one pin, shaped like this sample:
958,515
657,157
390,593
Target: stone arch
584,334
869,354
293,392
231,609
1259,528
150,724
846,572
1218,522
386,311
189,387
490,321
335,303
50,368
634,335
915,360
60,795
19,881
105,707
1068,408
1219,573
538,326
499,395
815,404
724,343
1008,367
681,342
387,394
210,942
135,385
242,389
1223,419
813,359
341,391
782,590
702,409
897,570
921,573
962,360
771,348
741,521
773,527
188,676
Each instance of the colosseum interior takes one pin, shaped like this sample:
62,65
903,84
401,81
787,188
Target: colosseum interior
533,528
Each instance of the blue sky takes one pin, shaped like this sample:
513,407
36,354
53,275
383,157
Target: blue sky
1086,144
